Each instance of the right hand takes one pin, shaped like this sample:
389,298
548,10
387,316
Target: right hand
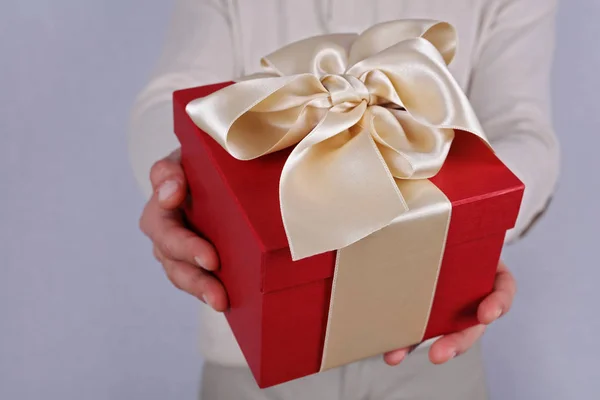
186,258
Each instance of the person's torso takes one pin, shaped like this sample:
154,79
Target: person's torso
267,25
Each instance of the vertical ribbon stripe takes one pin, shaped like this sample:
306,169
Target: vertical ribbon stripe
384,285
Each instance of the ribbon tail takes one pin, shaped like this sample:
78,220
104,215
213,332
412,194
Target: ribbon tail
321,207
383,286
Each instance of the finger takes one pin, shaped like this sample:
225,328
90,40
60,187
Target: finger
181,244
196,282
449,346
158,254
500,301
395,357
169,183
164,168
166,230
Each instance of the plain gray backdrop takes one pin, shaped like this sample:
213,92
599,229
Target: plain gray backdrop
85,311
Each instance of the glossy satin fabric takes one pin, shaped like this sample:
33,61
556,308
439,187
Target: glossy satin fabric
372,116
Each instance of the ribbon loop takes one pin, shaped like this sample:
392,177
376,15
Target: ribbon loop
362,110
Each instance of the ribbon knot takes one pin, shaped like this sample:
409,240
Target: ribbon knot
345,91
361,110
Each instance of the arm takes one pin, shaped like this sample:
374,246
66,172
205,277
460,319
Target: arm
197,51
510,91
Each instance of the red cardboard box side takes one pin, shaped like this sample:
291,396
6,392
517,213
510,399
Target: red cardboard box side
240,269
294,323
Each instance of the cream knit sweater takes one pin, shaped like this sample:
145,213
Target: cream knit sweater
503,64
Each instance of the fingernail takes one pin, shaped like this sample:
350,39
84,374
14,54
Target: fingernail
498,313
200,263
453,355
167,189
207,300
397,358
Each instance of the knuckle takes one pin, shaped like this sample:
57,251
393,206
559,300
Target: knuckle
143,222
515,286
174,282
198,281
157,254
147,222
160,166
460,338
192,243
507,299
160,169
171,272
169,246
175,155
181,244
197,284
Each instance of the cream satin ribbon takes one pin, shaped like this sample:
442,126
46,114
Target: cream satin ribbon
372,116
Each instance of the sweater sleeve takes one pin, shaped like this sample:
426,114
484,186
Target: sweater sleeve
510,91
197,51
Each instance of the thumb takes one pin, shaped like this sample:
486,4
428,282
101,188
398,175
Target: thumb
168,181
395,357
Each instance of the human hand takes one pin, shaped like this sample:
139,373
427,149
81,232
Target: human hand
491,308
186,258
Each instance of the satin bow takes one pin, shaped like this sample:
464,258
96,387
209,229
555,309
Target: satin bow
362,110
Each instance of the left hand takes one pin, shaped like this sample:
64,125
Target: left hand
491,308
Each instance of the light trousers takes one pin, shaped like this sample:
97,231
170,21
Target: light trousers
415,378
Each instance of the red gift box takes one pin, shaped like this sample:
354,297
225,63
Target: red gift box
279,308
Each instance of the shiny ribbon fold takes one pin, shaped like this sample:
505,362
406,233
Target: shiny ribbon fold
361,110
372,117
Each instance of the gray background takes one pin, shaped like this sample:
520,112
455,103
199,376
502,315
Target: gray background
86,313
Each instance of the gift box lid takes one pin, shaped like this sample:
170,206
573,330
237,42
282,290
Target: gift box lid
484,193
